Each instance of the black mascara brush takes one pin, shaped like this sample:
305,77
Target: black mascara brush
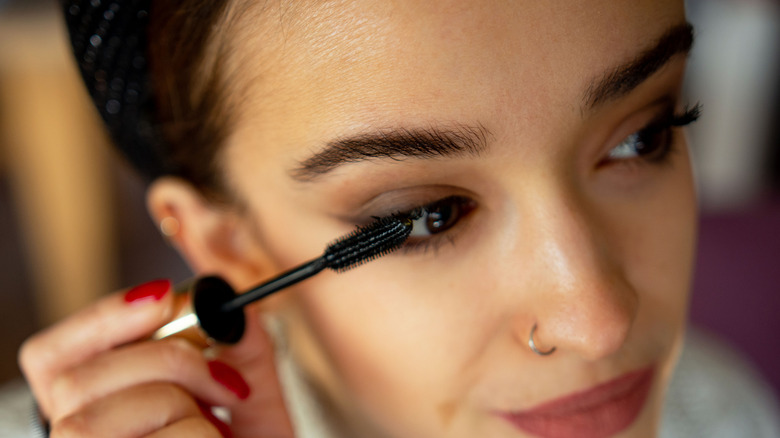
215,311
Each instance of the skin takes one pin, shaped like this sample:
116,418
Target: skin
424,343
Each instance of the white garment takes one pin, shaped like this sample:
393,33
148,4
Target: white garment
713,394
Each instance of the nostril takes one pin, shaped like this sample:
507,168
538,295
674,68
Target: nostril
604,331
606,342
592,324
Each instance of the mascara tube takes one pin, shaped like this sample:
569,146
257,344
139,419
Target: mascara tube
208,309
199,317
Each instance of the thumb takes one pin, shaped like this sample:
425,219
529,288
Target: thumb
264,413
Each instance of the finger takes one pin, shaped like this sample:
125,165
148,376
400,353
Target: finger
172,360
220,425
112,321
263,413
192,427
135,412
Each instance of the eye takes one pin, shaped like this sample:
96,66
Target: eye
651,144
439,216
654,142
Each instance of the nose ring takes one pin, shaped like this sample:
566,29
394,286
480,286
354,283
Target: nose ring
532,345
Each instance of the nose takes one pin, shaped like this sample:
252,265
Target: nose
580,297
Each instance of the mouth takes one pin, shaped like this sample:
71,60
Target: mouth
598,412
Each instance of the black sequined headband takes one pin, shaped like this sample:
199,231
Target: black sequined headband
110,44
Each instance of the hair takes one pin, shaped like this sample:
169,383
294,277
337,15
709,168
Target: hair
189,75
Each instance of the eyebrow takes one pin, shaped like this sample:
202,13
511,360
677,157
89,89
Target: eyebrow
395,144
621,80
472,140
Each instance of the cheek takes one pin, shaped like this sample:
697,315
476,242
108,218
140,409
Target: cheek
658,242
390,342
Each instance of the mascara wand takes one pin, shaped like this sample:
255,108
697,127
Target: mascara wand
215,312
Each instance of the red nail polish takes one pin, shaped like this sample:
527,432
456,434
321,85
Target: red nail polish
153,290
221,426
229,378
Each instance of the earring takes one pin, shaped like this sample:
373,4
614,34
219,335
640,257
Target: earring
532,345
169,226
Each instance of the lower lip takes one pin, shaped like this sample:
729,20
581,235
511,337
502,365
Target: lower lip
599,412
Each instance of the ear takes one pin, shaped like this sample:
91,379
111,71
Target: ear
212,238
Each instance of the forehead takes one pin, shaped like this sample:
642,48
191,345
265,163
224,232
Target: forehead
339,66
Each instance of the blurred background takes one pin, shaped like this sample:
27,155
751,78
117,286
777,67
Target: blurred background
61,247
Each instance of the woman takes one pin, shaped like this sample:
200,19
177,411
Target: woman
543,292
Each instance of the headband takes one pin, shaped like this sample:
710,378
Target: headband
109,42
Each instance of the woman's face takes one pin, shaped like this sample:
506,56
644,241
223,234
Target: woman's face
514,122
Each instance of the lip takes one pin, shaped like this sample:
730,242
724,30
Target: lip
598,412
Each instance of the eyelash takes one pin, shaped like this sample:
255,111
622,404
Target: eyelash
656,138
460,207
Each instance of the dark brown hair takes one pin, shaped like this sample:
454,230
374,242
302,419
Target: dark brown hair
187,80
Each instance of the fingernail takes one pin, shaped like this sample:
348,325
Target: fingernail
221,426
151,291
229,378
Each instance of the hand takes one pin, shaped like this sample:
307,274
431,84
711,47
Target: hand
95,375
